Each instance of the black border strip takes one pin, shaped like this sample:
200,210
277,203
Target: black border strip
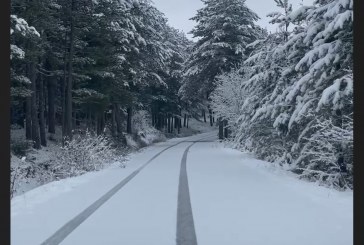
5,121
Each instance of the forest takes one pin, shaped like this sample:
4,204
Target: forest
91,77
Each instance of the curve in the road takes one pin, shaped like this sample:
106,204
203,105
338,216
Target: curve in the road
71,225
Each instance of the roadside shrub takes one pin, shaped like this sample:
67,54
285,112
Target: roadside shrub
82,154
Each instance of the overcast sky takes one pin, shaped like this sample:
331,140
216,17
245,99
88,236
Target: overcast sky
179,12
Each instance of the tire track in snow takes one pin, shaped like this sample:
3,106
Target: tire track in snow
71,225
186,234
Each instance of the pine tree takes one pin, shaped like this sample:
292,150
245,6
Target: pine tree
224,28
297,92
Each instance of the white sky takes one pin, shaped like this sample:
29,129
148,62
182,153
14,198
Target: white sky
179,12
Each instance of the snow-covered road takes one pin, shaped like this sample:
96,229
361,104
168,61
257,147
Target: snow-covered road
234,200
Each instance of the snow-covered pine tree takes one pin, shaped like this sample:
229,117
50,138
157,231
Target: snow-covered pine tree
323,95
19,31
164,100
281,18
224,28
269,71
298,109
35,53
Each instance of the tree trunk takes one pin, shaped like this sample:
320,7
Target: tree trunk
221,129
74,118
153,118
226,130
34,109
164,121
42,129
98,124
78,118
103,121
188,119
119,128
178,125
172,124
113,121
204,115
128,126
159,121
68,102
64,82
88,118
185,120
340,150
169,124
51,85
28,118
210,115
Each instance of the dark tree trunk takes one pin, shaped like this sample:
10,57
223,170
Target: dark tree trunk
156,120
98,124
169,124
28,118
74,118
51,104
45,102
185,120
119,128
188,119
340,151
226,130
178,125
128,126
34,109
78,119
204,115
68,97
42,129
103,121
172,124
63,92
159,124
153,118
221,129
210,115
113,122
88,119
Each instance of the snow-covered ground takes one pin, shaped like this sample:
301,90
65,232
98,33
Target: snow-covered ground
235,199
34,159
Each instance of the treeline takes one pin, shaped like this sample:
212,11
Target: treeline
286,96
91,64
